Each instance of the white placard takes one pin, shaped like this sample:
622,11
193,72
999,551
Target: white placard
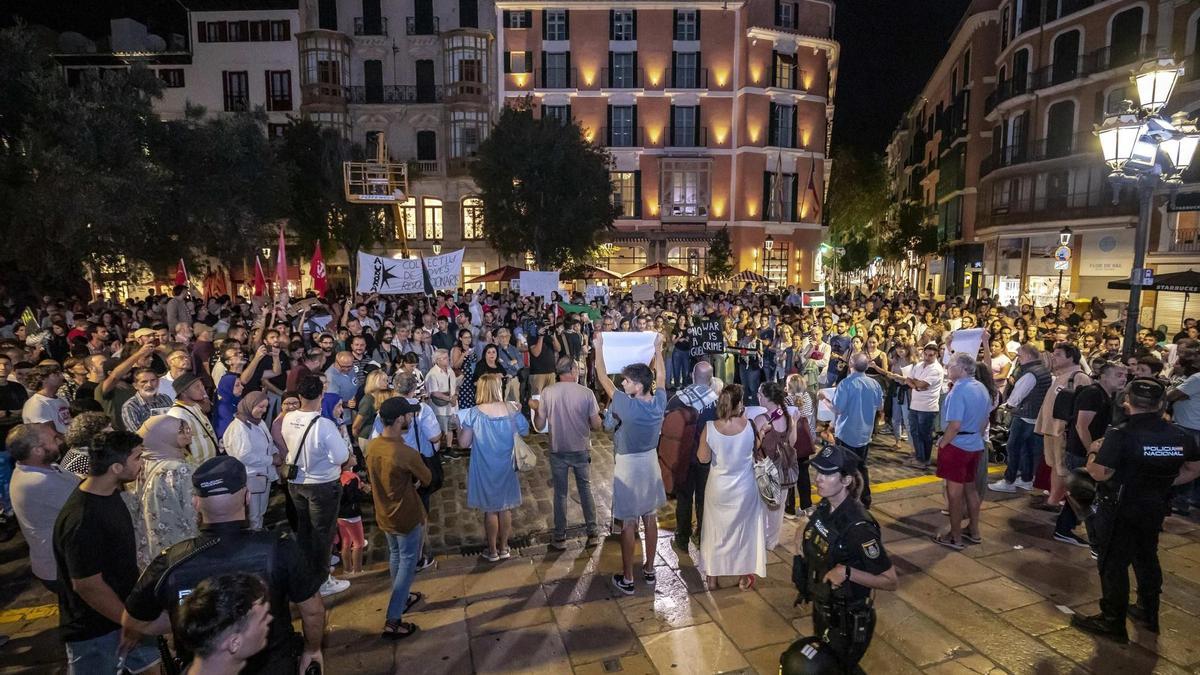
623,349
445,270
825,406
539,283
389,276
966,340
594,291
643,292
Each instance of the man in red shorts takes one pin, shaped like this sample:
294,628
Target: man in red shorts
960,449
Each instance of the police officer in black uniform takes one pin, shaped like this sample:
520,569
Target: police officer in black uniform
1134,469
841,560
227,545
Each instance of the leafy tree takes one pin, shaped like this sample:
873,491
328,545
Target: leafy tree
545,188
720,255
910,232
858,204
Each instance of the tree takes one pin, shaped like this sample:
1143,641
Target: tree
858,204
545,188
720,255
910,232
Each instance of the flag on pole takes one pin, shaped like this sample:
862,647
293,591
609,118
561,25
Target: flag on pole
260,279
777,190
281,274
30,321
181,275
316,270
812,188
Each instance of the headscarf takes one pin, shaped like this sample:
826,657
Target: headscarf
226,405
328,402
160,438
245,407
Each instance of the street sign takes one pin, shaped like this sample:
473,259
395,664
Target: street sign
1062,254
1148,277
1142,277
1062,264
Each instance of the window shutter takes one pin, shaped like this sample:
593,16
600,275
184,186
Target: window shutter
637,78
696,127
508,18
774,67
771,126
766,202
269,101
792,125
674,69
529,18
675,24
795,15
222,31
543,33
287,30
698,24
567,23
793,217
608,129
569,116
508,62
543,57
671,128
637,138
528,61
612,29
637,194
701,83
567,64
778,12
610,70
635,24
201,32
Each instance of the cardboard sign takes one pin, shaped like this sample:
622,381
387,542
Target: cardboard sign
389,276
966,340
539,283
445,271
595,291
643,292
706,337
623,349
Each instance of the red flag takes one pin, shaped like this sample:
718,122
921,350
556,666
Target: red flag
181,275
316,270
281,274
812,187
260,279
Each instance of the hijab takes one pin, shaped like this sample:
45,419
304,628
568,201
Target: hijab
245,407
328,402
160,438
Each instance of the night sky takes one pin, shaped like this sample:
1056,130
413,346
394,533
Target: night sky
889,50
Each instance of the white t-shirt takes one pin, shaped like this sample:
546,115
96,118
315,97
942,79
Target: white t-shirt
324,451
928,400
41,408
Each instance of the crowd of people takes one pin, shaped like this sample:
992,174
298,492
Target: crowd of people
149,437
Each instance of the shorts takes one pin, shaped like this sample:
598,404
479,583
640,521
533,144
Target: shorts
352,533
1054,448
99,655
957,465
447,423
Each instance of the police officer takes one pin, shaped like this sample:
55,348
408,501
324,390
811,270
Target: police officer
227,545
1134,468
841,560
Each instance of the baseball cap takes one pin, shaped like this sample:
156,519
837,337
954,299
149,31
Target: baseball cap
144,332
393,408
184,381
835,459
221,475
1147,388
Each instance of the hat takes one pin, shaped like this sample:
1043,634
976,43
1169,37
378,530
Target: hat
144,332
835,459
1147,388
930,345
221,475
184,381
393,408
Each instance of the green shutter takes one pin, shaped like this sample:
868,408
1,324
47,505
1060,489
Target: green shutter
637,194
766,202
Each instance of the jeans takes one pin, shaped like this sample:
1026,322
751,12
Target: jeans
1024,448
861,453
562,463
751,378
689,497
6,472
316,514
1067,520
403,551
679,370
900,418
99,655
920,430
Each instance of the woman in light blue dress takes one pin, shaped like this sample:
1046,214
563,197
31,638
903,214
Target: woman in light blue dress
493,485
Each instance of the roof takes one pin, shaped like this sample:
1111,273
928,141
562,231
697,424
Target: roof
238,5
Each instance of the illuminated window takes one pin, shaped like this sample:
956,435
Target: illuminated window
433,217
625,191
472,218
685,189
408,218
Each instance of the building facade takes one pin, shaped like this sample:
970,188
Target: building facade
1053,70
716,114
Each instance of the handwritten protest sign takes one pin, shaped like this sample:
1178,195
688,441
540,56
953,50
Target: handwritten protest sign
445,270
706,337
643,292
388,276
595,291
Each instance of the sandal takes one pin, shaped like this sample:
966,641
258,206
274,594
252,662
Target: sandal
945,540
489,556
413,598
649,575
972,538
398,630
747,582
504,554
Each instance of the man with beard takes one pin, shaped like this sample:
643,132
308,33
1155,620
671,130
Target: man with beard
39,489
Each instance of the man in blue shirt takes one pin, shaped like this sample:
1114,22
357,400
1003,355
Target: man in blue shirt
340,380
856,403
960,449
839,345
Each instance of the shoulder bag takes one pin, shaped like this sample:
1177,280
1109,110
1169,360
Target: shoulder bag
524,458
433,463
766,473
290,469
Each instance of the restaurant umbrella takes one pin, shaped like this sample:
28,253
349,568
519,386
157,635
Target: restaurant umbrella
749,276
590,272
658,270
505,273
1172,282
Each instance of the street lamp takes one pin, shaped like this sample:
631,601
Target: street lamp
768,244
1064,240
1131,140
437,246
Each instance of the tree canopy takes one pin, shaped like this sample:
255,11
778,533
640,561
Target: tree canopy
858,205
545,188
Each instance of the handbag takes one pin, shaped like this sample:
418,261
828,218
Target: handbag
290,470
766,475
524,458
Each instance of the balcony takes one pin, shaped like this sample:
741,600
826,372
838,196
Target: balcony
364,26
421,25
621,137
556,78
687,137
1187,240
1092,63
236,103
1051,147
465,91
1006,89
684,78
1096,203
395,94
427,167
622,78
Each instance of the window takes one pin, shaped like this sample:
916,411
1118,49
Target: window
1115,101
779,195
784,71
785,14
239,31
468,13
685,188
1060,129
472,218
408,219
687,24
279,90
622,24
281,31
432,210
775,262
621,131
467,130
1125,37
172,78
236,86
214,31
684,129
562,113
556,73
327,14
1004,27
518,62
685,72
966,68
554,25
624,70
783,126
517,19
276,130
625,193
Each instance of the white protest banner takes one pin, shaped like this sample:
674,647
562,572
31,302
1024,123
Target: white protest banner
388,276
594,291
445,270
643,292
825,406
966,340
539,283
623,349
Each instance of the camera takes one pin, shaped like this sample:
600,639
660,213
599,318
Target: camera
532,327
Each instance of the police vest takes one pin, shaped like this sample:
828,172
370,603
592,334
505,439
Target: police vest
825,547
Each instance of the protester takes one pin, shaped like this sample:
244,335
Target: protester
39,490
493,487
776,429
571,413
961,448
190,399
225,622
248,439
163,492
43,404
695,405
857,402
1033,381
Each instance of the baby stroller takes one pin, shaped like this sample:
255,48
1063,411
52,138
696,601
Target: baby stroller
997,440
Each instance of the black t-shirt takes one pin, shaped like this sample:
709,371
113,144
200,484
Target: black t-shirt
1090,398
1145,454
12,397
225,548
93,535
264,364
543,363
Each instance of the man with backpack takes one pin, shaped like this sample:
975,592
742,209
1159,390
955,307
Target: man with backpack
1055,414
687,413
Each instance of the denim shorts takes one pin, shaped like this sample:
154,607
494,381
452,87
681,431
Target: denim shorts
99,655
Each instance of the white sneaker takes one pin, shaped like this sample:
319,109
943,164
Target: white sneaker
1024,484
333,586
334,560
1002,486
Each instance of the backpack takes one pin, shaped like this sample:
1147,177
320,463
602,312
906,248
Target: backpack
677,446
1064,400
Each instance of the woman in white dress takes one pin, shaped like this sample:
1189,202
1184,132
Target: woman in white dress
733,542
248,438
